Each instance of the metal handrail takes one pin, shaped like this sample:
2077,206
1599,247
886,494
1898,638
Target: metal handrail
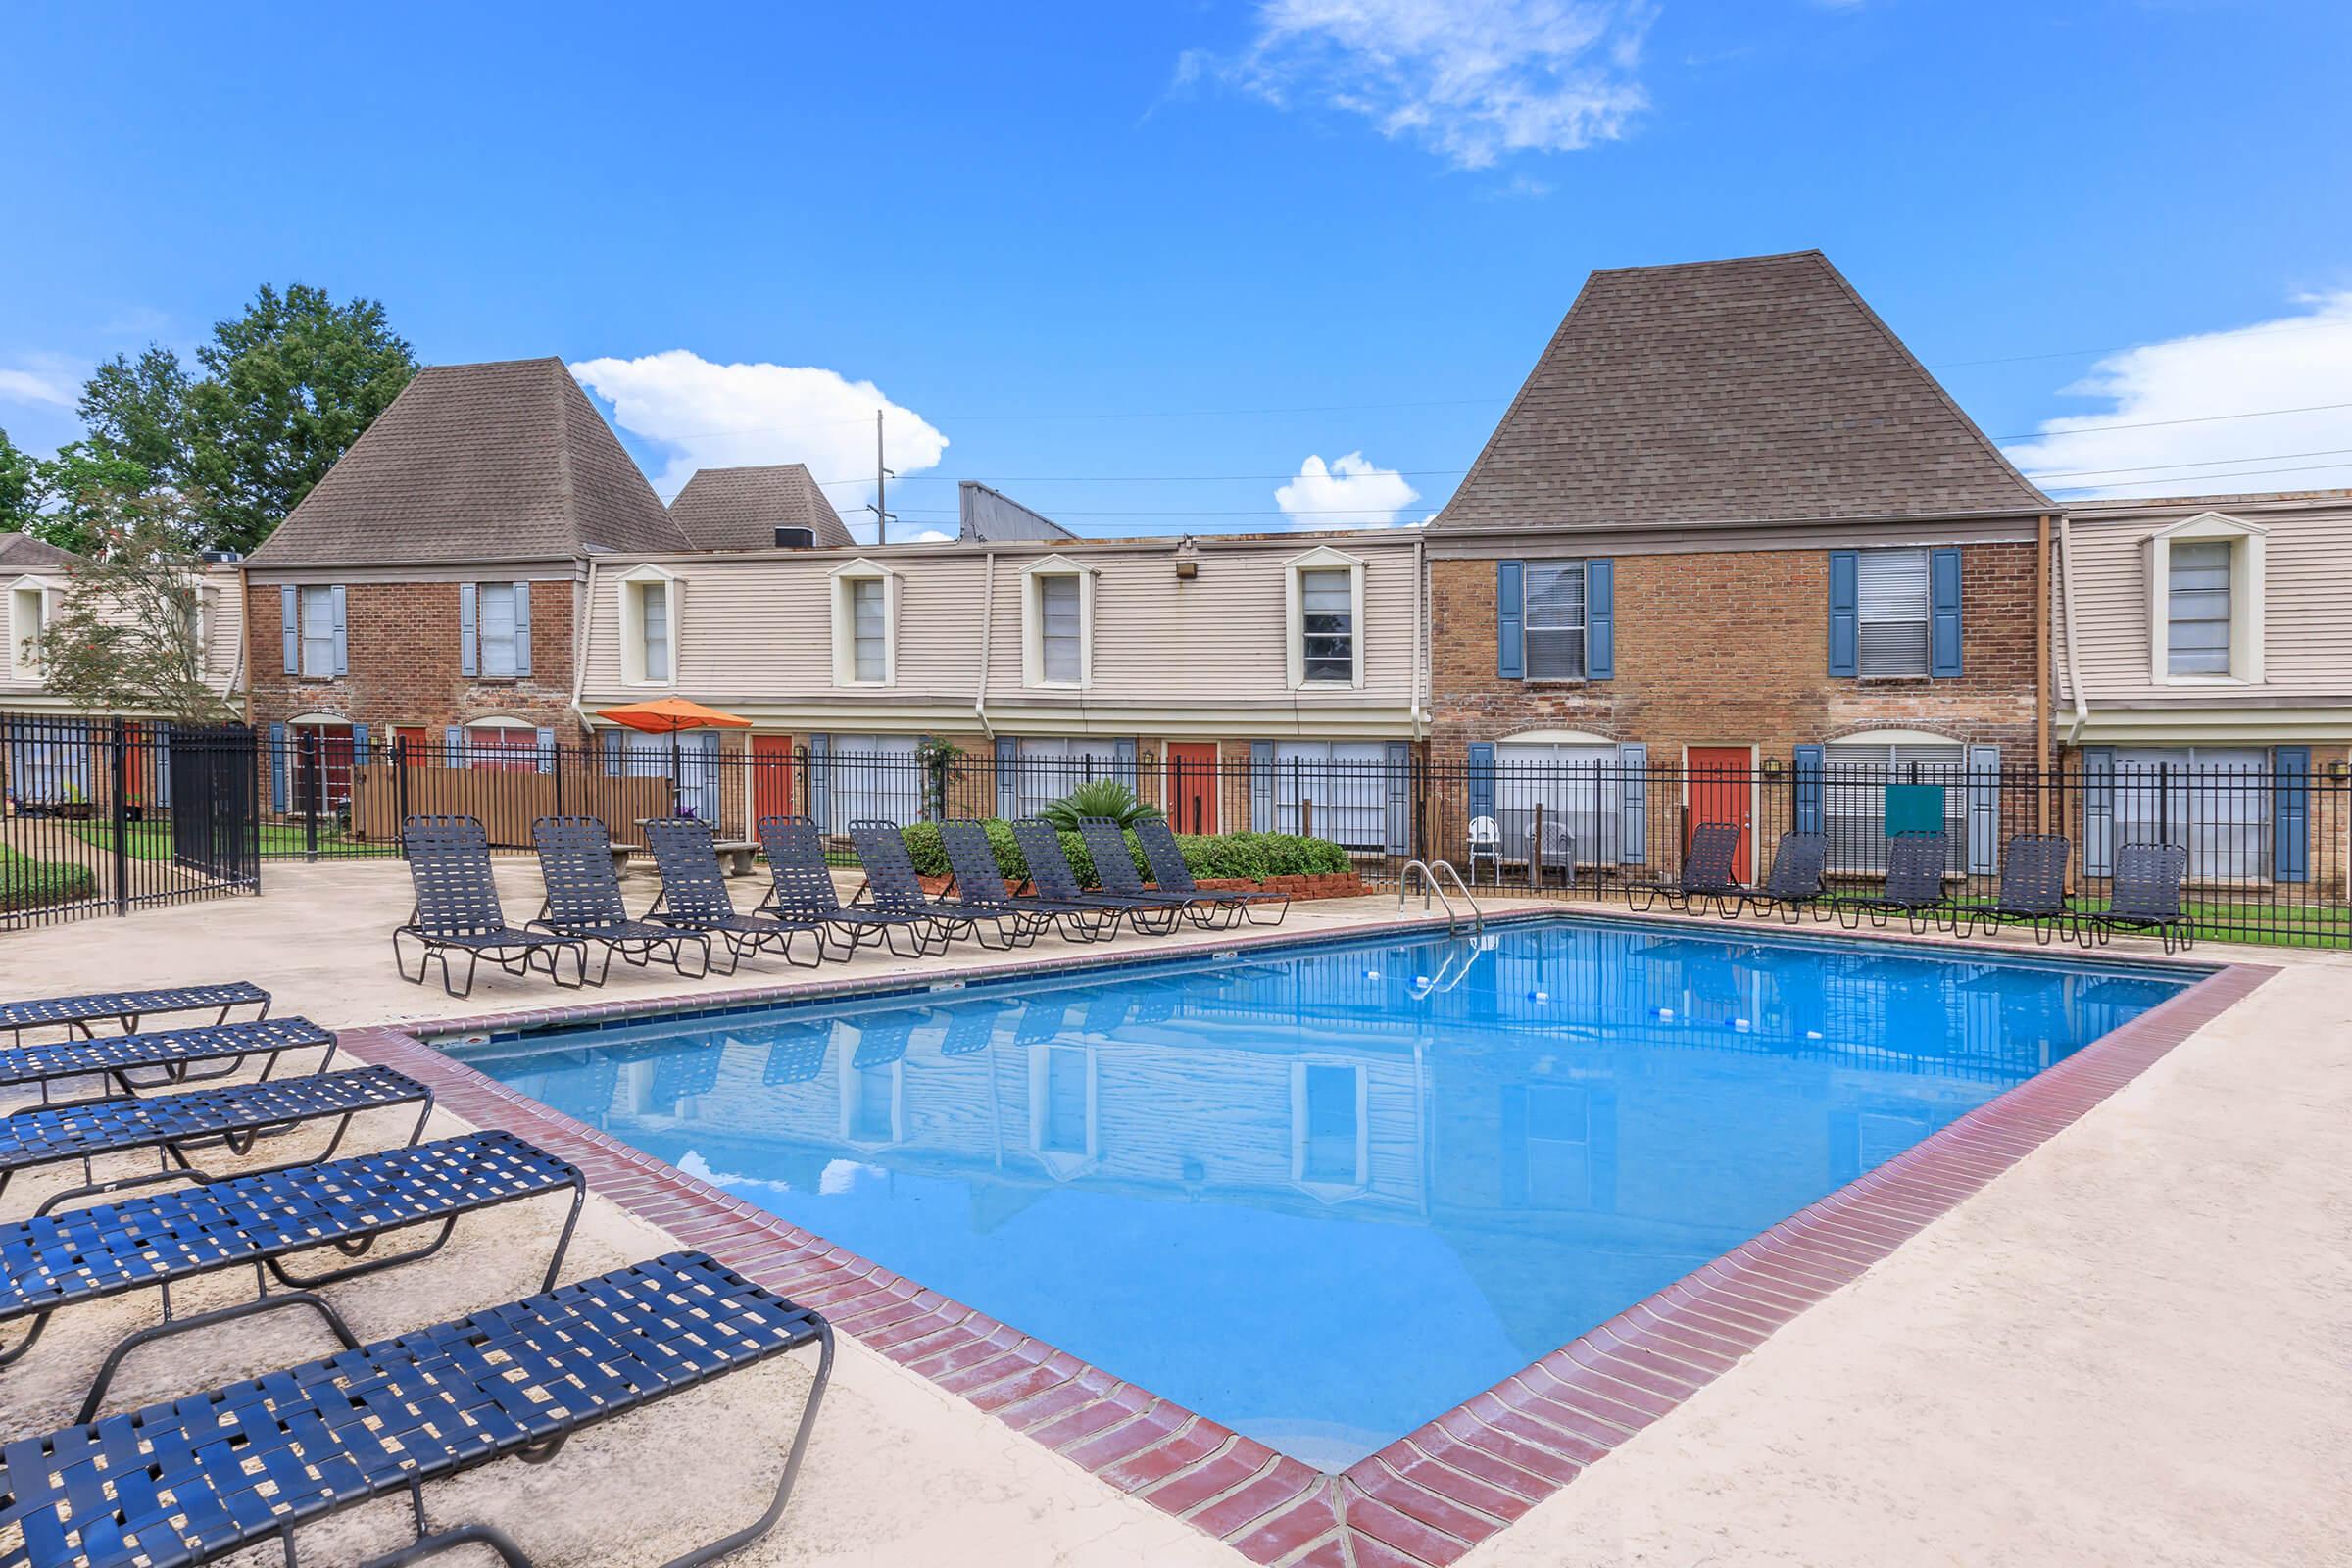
1432,886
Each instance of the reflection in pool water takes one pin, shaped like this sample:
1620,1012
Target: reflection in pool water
1325,1197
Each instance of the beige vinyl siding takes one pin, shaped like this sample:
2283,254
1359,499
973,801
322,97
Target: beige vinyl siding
2307,622
225,632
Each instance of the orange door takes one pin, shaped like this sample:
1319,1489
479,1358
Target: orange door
1721,792
771,776
1193,786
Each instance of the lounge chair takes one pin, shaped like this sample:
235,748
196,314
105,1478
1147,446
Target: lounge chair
173,1056
1706,874
2032,890
695,898
1914,886
2143,895
457,910
1114,871
1168,870
583,899
125,1008
197,1479
1794,884
895,888
172,1125
257,1220
980,886
802,889
1052,879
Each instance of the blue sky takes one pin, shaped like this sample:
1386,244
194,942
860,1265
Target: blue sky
1143,243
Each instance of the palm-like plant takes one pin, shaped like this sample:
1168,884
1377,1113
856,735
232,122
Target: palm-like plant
1100,796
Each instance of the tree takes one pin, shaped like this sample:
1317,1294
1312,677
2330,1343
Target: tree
77,492
136,411
129,639
19,495
289,386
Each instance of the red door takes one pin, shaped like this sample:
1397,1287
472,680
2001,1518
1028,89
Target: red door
1193,786
1721,791
771,776
414,735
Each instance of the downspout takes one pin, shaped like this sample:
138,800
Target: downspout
1421,637
987,617
2042,673
582,615
2066,608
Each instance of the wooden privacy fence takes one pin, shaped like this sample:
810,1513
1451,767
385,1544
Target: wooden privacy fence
507,803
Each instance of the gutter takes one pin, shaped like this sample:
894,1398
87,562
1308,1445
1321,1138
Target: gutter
1421,637
2066,608
583,615
988,619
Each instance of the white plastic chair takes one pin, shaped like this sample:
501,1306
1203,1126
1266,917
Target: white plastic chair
1485,842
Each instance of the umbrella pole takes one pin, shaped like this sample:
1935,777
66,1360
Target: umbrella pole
677,788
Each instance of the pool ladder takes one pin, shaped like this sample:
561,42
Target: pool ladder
1434,874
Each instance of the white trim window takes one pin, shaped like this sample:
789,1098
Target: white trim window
1051,766
1323,620
27,619
873,778
1855,773
317,624
1057,624
1336,790
865,632
1552,627
1895,609
1576,784
650,600
2205,601
2213,800
2197,609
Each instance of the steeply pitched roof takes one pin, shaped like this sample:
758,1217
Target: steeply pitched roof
1755,390
22,552
741,509
992,515
500,462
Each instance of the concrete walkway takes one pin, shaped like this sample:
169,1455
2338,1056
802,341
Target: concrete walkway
2136,1348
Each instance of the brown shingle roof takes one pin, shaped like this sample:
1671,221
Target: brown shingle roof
23,551
500,462
1755,390
741,509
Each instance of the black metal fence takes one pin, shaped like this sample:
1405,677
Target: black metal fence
106,815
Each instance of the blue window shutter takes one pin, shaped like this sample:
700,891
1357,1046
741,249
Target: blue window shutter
820,782
470,641
1009,763
1983,809
1808,789
278,767
2290,817
1262,786
1633,801
1845,615
1600,619
1482,778
613,747
359,746
522,628
452,748
1943,635
1399,813
1510,654
2098,810
1123,766
289,614
342,642
547,751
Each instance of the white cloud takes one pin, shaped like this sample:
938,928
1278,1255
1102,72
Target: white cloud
27,385
1348,493
731,416
2169,393
1471,80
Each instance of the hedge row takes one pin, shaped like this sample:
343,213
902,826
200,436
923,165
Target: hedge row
1254,856
30,884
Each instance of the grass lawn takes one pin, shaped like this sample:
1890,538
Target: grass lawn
30,884
2280,925
152,841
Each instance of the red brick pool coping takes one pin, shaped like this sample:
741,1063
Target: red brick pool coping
1431,1495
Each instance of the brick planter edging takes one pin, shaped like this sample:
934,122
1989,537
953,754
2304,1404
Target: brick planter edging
1431,1495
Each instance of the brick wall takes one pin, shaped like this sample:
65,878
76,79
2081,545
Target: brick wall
1732,647
401,639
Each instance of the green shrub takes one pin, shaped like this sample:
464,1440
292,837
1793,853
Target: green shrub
1252,857
30,884
929,851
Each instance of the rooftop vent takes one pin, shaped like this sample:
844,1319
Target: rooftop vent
220,558
796,538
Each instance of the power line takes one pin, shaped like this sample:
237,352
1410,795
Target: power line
2191,478
2201,462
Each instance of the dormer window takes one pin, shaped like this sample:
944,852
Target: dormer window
1057,624
2205,601
27,618
2197,609
865,632
650,602
1323,597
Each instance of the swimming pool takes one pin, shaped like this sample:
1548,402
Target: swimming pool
1323,1194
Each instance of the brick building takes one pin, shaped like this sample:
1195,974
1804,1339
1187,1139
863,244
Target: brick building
1730,523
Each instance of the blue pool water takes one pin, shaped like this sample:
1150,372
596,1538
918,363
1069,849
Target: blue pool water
1326,1195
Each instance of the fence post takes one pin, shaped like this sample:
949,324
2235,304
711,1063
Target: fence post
400,790
118,812
307,753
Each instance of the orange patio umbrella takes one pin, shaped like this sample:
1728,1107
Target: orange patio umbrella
667,715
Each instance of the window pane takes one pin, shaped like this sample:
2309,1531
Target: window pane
317,631
2197,632
867,629
1893,604
1554,625
1327,620
1057,615
1336,790
495,605
652,609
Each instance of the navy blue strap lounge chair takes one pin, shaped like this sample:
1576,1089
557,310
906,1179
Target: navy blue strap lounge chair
2032,890
894,889
1914,886
1050,874
1168,870
1114,868
802,889
980,889
173,1125
260,1220
1794,884
2143,896
457,910
1706,874
125,1008
170,1058
202,1479
583,899
695,898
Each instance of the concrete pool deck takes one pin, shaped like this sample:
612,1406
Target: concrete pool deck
2130,1346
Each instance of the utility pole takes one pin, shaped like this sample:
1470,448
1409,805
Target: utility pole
881,487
